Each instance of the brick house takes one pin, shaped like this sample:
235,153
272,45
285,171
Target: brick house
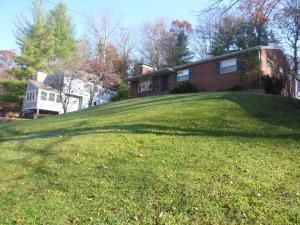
242,69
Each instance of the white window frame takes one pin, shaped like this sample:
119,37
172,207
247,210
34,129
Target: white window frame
31,96
228,66
52,94
183,75
270,63
58,98
44,96
281,72
145,85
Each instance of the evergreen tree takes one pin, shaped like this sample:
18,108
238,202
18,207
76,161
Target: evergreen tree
236,33
43,40
64,43
180,53
34,41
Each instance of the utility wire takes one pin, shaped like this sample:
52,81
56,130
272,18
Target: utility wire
71,10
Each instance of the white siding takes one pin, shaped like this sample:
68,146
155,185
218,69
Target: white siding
79,100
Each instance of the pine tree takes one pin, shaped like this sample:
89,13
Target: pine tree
34,41
61,27
180,53
44,40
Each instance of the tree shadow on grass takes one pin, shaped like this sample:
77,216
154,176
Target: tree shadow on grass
154,129
274,110
35,160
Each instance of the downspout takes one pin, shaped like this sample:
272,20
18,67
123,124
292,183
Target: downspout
259,59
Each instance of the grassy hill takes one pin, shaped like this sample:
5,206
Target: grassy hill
210,158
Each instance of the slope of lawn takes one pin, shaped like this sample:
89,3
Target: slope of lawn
208,158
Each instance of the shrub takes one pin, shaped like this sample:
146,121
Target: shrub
185,87
11,95
10,115
273,85
235,87
122,92
13,90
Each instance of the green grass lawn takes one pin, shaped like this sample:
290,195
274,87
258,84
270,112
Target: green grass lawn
209,158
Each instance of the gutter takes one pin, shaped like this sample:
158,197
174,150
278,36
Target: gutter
161,72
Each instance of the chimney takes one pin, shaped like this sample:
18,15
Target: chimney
40,76
144,69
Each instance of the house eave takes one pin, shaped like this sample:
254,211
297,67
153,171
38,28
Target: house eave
176,68
157,73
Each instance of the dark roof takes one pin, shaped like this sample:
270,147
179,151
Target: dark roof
151,74
170,70
43,86
234,53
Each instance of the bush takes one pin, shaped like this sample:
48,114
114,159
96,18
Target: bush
10,115
185,87
273,85
122,92
13,89
235,87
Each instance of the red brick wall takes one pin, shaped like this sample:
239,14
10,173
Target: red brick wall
204,74
155,91
279,61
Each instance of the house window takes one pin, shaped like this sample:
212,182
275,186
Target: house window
44,95
183,75
27,97
281,72
36,95
228,66
51,97
145,86
58,98
270,63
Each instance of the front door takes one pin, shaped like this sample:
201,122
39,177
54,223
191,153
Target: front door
165,85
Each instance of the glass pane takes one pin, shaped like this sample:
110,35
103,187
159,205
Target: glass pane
228,69
182,78
51,97
43,95
58,98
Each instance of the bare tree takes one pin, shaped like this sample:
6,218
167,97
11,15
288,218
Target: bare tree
68,74
204,33
99,75
65,82
126,44
101,31
227,5
288,21
157,42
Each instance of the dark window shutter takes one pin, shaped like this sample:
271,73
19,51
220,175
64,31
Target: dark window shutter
137,86
175,76
153,84
240,64
218,68
190,73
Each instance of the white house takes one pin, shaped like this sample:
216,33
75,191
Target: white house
297,88
41,97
